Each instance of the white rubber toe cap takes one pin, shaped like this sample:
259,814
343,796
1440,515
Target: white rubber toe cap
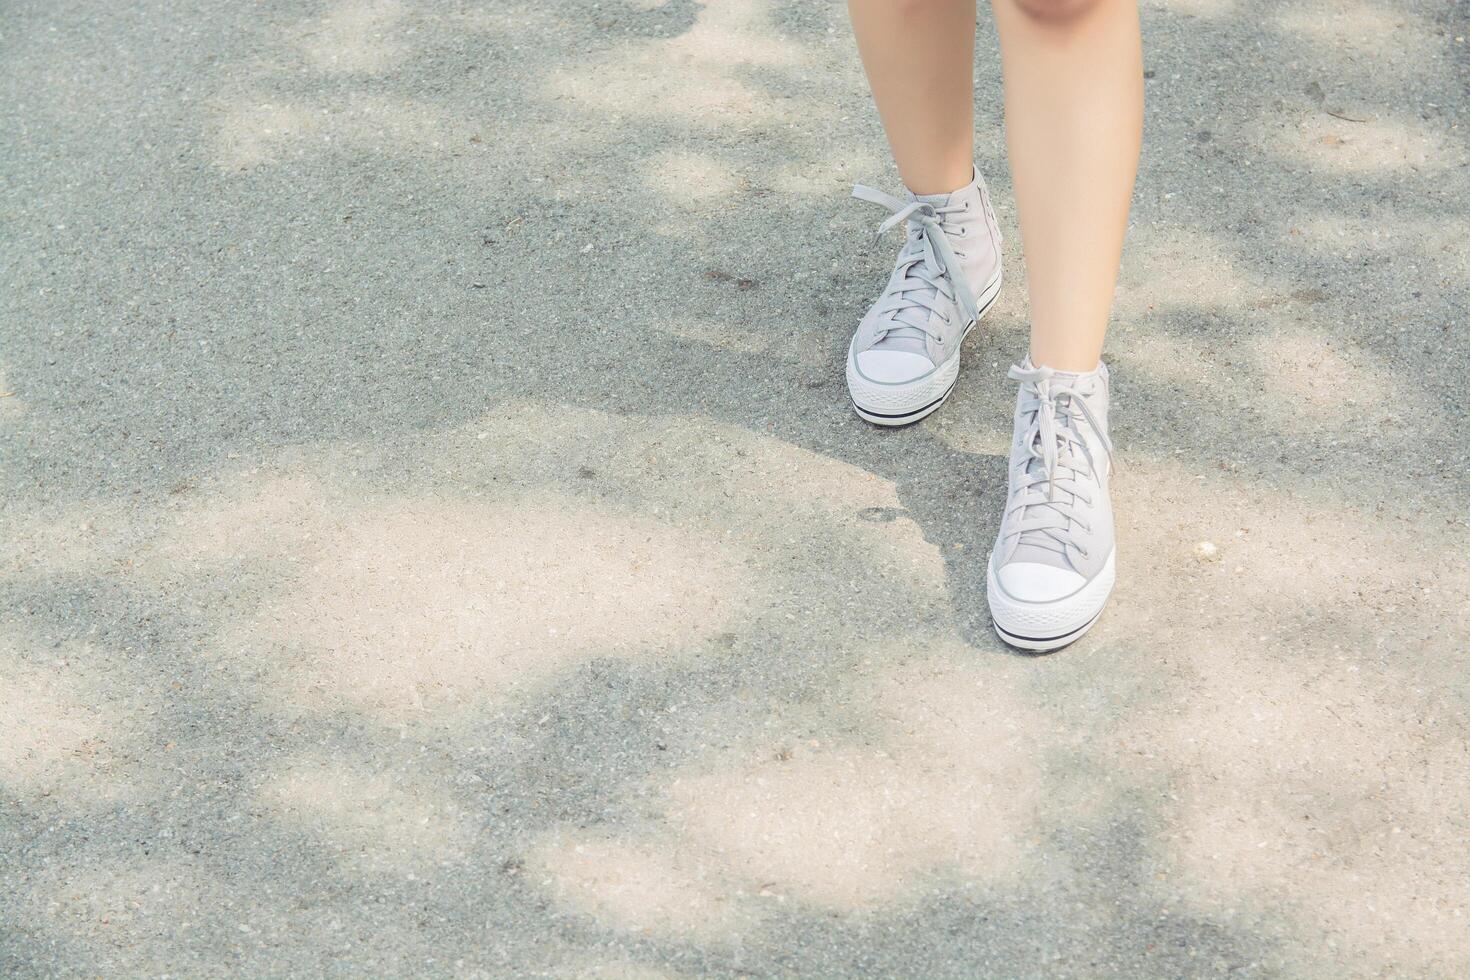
893,366
1034,582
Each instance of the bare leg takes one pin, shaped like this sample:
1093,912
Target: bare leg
919,56
1074,120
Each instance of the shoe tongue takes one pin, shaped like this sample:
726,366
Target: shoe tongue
938,200
906,334
905,339
1037,546
1041,551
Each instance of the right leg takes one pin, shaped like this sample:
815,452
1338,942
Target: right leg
920,60
904,358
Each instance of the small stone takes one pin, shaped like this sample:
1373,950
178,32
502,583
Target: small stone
1206,551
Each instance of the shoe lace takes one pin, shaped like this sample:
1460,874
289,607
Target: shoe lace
928,264
1057,459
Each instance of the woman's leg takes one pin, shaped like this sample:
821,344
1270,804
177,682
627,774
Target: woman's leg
903,361
1074,115
920,60
1074,120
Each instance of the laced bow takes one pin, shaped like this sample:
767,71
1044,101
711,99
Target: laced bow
1056,455
928,260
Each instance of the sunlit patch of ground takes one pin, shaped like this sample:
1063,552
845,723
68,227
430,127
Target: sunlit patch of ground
1177,268
765,491
637,887
1290,377
356,36
370,819
708,85
946,782
1303,556
848,826
251,129
1310,754
689,179
1381,29
1369,142
1311,373
54,542
400,604
1313,788
248,135
1442,242
65,729
1207,9
141,893
607,968
405,604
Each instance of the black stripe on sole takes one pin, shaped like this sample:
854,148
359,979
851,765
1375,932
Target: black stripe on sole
1005,633
916,412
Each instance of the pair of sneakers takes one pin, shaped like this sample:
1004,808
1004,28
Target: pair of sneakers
1051,570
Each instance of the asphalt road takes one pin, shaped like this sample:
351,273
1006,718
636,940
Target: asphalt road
436,541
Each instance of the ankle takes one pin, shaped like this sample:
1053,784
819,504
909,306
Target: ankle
1066,365
940,183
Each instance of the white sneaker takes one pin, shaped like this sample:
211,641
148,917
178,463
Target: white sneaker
1052,568
904,358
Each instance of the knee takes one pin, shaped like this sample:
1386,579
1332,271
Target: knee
1056,11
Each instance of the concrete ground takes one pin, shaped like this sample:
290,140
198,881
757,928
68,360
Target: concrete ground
437,542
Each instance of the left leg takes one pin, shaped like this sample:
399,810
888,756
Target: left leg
1074,110
1074,122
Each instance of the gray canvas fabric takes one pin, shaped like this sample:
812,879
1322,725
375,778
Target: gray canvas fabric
951,252
1057,509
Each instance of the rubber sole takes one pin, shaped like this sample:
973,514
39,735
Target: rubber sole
1044,644
895,415
1044,626
906,418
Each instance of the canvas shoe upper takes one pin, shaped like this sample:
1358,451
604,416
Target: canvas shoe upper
1053,564
946,275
